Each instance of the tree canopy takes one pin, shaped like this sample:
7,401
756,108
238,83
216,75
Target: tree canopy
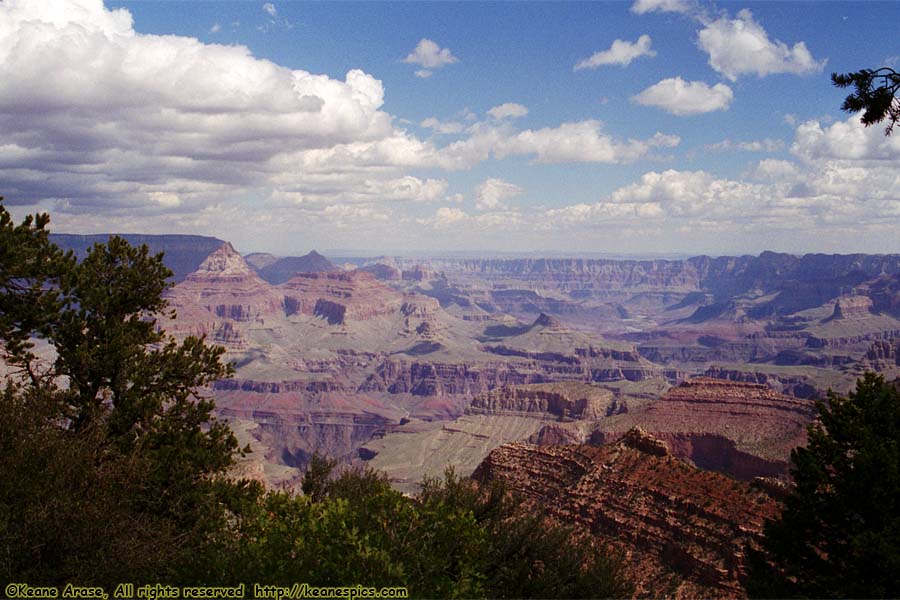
839,534
109,429
875,94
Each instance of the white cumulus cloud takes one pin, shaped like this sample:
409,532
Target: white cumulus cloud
442,127
641,7
685,98
740,46
133,121
429,55
620,53
508,110
491,194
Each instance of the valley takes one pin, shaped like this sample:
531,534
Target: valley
413,365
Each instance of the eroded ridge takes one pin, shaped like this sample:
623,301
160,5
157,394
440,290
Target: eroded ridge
683,530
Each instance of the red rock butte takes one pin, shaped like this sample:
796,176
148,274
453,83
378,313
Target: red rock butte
683,530
743,429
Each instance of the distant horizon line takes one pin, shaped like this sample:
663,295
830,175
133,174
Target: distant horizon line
351,253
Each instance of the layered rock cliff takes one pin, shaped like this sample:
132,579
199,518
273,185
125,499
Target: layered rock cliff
743,429
337,296
549,413
223,289
684,530
564,401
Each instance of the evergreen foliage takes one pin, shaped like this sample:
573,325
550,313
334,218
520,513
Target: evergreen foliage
839,534
874,94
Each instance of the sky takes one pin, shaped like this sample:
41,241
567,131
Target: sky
651,126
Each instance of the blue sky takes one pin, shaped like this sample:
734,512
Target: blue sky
649,126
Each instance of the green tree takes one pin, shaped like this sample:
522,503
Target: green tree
839,534
118,409
29,265
875,94
528,555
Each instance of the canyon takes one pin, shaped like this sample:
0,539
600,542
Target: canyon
414,364
651,404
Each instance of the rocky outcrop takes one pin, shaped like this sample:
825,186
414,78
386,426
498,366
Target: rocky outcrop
680,527
425,378
439,379
639,439
743,429
260,260
852,307
563,401
417,273
223,289
884,352
337,296
285,268
882,356
798,386
556,434
382,272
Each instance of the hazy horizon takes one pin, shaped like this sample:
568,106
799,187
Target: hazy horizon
653,127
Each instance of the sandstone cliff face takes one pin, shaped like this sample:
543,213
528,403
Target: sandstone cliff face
852,307
743,429
224,289
885,353
680,527
798,386
572,401
338,296
883,357
440,379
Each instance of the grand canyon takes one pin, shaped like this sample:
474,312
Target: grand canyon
726,354
615,391
410,288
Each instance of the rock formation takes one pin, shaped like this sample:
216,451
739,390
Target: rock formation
181,253
743,429
852,307
337,296
543,413
564,401
223,290
285,268
684,531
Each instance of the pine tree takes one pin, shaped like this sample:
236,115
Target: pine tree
839,534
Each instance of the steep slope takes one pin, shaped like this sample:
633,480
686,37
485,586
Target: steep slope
544,412
336,296
683,530
222,292
259,260
743,429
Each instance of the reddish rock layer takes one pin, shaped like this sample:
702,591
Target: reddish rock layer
743,429
566,401
356,295
224,289
679,526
